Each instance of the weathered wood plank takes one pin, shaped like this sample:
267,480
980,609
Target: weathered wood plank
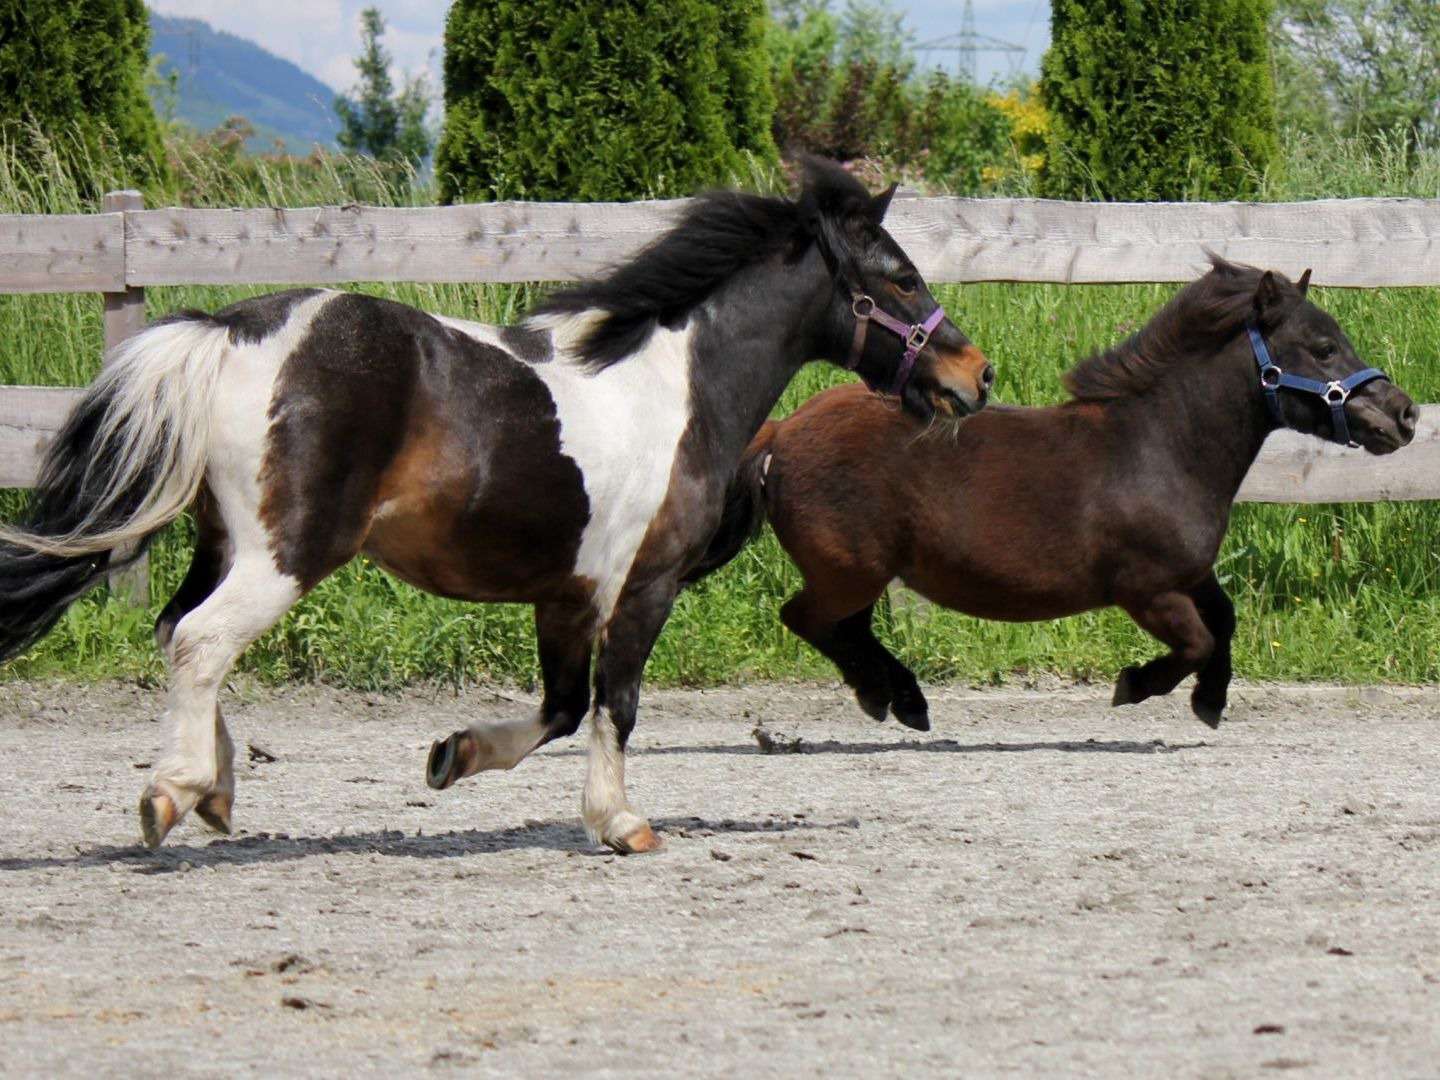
1296,469
471,243
29,418
1291,469
54,253
1350,242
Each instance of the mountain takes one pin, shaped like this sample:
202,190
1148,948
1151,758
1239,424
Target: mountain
222,75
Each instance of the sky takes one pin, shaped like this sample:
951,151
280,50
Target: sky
322,36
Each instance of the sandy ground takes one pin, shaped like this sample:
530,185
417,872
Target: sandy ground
1041,884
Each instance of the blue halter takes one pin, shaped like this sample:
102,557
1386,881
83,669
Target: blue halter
1335,393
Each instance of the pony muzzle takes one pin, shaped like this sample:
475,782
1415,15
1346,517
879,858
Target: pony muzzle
962,379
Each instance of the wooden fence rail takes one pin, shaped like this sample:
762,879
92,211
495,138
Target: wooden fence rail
1364,243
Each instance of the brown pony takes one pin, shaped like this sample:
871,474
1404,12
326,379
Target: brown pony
1120,496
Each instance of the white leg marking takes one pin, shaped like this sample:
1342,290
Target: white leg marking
603,806
505,744
253,596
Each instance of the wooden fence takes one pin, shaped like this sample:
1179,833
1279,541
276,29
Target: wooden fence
1362,243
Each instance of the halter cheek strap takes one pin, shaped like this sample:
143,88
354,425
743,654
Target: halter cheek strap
1335,393
915,336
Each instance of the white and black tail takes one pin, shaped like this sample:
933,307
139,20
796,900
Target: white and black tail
129,459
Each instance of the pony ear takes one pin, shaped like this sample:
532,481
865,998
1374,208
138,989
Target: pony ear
1304,283
1273,302
881,203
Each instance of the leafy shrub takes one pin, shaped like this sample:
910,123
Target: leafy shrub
1365,67
601,99
75,70
845,91
1158,99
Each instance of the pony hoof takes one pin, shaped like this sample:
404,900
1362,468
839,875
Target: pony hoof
875,706
639,842
1126,693
448,760
214,810
158,816
916,719
1209,714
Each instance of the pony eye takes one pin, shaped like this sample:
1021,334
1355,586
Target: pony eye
1324,350
906,286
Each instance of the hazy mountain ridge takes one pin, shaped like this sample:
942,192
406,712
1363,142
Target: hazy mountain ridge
222,75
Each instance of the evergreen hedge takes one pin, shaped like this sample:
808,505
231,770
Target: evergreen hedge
74,70
1158,99
601,99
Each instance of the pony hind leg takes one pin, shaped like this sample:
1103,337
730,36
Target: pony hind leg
209,564
831,620
907,701
565,634
197,773
1174,619
1212,681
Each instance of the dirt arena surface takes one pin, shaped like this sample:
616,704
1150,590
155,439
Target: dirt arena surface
1042,884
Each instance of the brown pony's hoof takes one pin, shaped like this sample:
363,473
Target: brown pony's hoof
914,719
1209,714
1126,692
642,840
449,760
875,705
214,810
158,816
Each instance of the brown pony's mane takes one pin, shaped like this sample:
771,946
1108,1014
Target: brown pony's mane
1208,311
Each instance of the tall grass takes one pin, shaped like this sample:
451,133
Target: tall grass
1347,592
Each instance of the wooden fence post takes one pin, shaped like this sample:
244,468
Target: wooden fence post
124,317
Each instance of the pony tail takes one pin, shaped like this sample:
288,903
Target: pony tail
128,460
745,508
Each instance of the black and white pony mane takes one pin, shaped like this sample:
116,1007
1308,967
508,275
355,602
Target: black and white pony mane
718,234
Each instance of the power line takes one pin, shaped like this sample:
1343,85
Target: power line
967,45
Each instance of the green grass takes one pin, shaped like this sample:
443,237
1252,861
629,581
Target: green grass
1348,592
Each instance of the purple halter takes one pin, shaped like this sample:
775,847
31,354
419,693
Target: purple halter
915,336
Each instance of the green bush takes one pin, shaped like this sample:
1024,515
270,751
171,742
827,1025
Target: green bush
1158,99
601,99
846,92
75,70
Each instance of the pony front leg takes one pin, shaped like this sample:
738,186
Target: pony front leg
1212,681
565,634
631,634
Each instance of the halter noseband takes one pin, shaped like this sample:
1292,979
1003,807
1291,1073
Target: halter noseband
915,336
1335,393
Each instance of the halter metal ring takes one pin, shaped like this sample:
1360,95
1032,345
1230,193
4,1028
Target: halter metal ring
1270,376
1335,394
856,309
917,338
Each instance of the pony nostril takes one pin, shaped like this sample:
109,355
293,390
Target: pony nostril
1409,419
987,375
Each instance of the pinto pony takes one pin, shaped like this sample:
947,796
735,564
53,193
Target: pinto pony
577,461
1121,496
